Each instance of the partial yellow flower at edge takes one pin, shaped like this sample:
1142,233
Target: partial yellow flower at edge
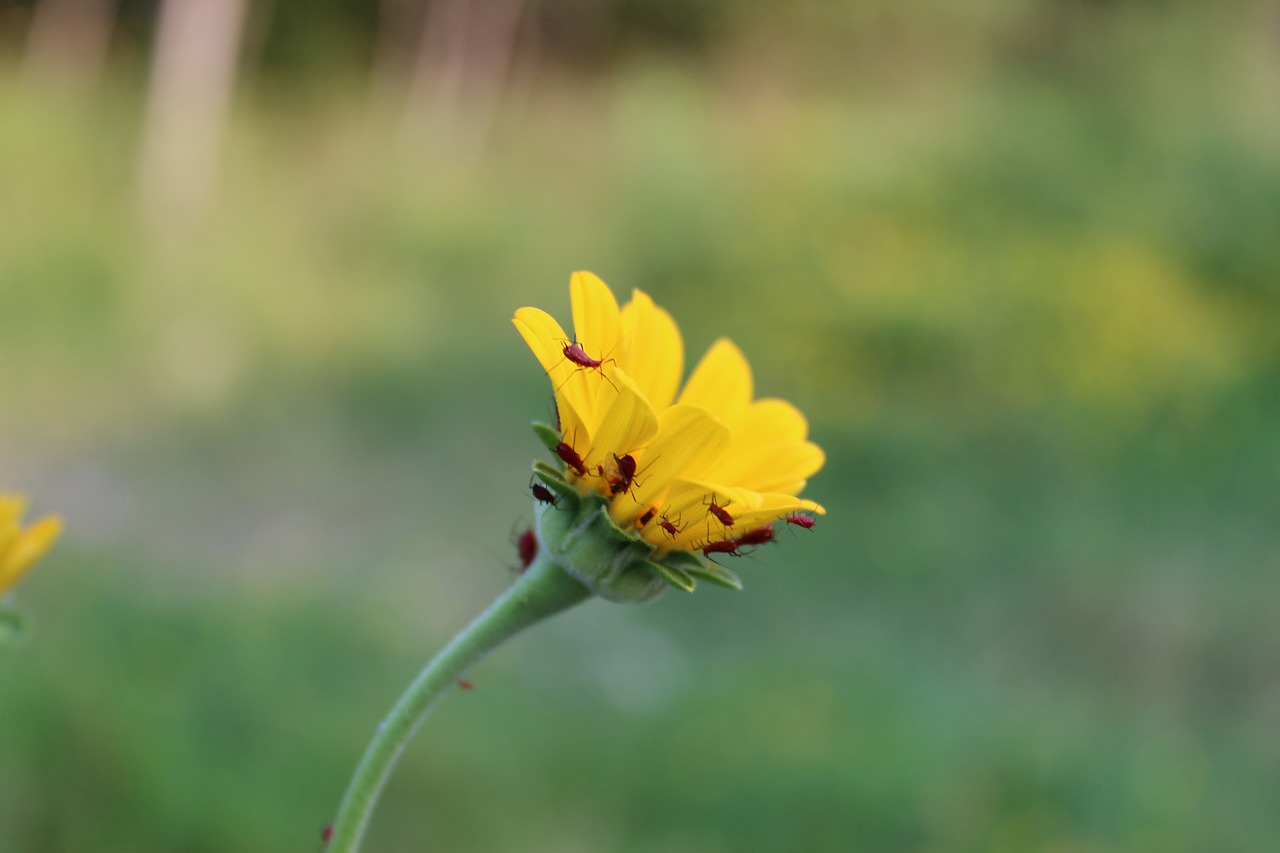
19,547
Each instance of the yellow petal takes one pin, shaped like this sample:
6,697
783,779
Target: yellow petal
691,501
28,548
702,527
802,504
721,383
574,388
574,431
793,488
627,426
543,335
773,507
769,421
9,531
770,467
596,319
688,442
11,510
652,350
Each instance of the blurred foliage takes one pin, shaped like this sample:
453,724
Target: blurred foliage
1016,260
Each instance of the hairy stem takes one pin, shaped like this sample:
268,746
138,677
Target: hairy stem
543,590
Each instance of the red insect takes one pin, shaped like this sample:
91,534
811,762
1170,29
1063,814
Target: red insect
527,548
671,529
626,474
726,547
759,536
621,481
805,521
542,493
326,834
575,353
720,513
465,684
571,458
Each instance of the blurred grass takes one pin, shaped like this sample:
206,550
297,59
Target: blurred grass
1031,304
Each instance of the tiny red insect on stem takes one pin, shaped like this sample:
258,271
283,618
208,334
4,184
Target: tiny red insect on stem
805,521
326,834
465,684
527,548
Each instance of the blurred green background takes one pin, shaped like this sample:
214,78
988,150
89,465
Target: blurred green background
1017,259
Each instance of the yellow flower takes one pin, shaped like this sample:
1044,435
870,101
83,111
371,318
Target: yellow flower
20,548
684,469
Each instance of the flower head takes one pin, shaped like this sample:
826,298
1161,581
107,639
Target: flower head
699,468
21,547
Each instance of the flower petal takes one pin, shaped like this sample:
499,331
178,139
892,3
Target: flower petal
11,510
652,350
689,441
773,507
29,546
721,383
769,467
691,501
792,488
542,334
596,320
697,532
769,421
626,427
573,430
574,387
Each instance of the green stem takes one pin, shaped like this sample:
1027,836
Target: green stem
543,590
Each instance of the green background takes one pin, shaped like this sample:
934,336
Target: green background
1018,262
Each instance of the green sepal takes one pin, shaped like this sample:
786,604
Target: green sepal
712,573
547,434
626,536
550,474
692,564
590,547
674,577
684,560
554,480
13,628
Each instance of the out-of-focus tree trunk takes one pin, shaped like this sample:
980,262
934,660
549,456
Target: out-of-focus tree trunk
193,72
460,74
67,42
437,71
493,43
399,29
